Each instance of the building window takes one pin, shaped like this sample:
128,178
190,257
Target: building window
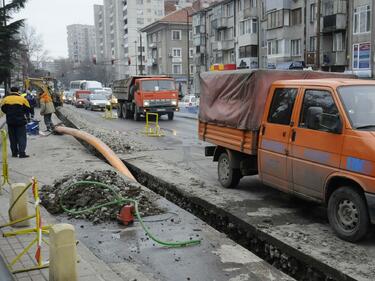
275,47
190,35
191,53
338,42
296,16
176,34
176,52
253,3
275,19
361,55
312,45
313,12
249,51
240,5
228,10
296,47
362,19
176,68
191,68
248,26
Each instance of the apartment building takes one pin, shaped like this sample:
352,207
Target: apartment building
81,42
170,47
331,35
361,39
101,34
136,15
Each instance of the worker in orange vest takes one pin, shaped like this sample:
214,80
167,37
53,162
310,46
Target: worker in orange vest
46,109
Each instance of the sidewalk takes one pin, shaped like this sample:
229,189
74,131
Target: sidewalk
50,157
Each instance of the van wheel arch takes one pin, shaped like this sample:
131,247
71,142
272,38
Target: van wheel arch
337,182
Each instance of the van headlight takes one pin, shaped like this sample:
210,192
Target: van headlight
174,102
146,103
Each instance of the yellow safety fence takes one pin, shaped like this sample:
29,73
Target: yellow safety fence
39,229
152,128
108,113
5,174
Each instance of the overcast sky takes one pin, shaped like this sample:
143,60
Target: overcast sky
50,18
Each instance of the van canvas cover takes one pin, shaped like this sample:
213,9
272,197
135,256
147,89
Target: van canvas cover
236,99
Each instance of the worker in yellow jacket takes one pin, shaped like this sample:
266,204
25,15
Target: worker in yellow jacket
47,109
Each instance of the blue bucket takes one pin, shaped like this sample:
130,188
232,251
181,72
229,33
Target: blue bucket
32,128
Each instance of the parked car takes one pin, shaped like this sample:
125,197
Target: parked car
68,97
189,101
96,101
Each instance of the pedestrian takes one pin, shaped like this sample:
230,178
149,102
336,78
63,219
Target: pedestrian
46,109
32,102
16,107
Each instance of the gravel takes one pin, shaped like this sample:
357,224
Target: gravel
86,196
119,142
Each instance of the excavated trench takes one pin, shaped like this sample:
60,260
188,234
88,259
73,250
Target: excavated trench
280,255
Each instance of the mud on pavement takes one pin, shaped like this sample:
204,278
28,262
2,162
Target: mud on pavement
88,195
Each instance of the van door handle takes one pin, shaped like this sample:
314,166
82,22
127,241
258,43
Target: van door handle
263,129
293,135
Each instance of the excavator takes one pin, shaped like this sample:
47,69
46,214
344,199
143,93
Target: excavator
45,84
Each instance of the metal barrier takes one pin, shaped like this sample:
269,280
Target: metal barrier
5,174
108,113
39,229
152,128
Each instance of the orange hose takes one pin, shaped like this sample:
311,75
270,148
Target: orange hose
100,146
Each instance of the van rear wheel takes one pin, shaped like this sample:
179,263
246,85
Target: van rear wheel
228,176
348,214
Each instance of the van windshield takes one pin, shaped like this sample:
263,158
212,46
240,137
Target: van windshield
158,85
359,103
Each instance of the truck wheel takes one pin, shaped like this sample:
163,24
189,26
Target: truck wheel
170,115
125,111
228,177
136,114
119,110
348,214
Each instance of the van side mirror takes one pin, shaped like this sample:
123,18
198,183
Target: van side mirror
331,122
313,117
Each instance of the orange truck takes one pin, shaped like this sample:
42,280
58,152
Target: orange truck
138,95
311,134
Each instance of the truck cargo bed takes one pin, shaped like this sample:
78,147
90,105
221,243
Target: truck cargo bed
236,139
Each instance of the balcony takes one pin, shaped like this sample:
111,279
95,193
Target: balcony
176,59
199,40
226,45
153,46
334,22
225,22
249,12
214,45
334,58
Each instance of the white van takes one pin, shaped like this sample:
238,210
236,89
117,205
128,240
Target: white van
91,85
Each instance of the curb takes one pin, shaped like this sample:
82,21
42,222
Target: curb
186,116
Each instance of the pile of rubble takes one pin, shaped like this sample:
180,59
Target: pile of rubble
85,196
119,142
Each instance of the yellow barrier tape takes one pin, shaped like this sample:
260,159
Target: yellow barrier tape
5,159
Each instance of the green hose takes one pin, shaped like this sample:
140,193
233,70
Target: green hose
120,201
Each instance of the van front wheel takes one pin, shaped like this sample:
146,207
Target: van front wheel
348,214
228,177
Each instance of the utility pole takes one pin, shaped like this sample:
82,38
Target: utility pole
7,78
140,40
188,50
136,58
317,54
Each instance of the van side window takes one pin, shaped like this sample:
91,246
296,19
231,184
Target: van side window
282,106
322,103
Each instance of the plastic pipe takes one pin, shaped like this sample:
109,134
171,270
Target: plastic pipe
100,146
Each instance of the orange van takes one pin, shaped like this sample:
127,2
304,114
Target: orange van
315,138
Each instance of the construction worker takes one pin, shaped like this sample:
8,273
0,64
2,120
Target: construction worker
46,109
32,102
15,107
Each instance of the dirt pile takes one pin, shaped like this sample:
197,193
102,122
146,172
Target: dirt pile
84,196
119,142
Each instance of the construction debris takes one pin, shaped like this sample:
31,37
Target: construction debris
86,196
